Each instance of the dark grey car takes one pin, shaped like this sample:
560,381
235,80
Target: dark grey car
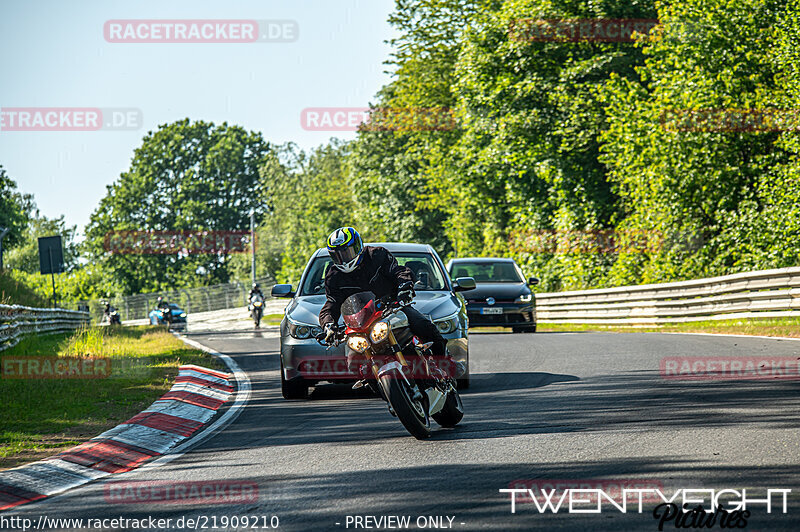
502,298
304,362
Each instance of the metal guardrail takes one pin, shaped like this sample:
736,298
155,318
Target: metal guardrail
17,321
766,293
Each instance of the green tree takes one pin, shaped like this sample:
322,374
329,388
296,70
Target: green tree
15,210
185,176
308,196
531,115
392,168
722,197
25,256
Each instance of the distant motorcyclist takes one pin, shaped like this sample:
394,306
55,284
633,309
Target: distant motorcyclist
358,268
166,311
256,304
256,289
110,314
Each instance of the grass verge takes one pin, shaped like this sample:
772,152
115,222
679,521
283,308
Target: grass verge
789,327
272,319
41,417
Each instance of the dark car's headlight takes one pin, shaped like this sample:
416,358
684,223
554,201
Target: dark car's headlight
524,298
448,324
302,331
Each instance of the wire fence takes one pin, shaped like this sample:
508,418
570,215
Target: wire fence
201,299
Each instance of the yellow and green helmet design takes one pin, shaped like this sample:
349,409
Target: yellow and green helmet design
345,247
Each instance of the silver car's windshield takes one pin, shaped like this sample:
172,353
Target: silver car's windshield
427,273
487,272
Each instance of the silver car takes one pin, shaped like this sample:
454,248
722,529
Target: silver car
304,362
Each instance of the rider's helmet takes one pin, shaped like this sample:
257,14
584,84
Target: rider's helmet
345,247
255,286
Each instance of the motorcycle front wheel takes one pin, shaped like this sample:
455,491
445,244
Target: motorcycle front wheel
412,414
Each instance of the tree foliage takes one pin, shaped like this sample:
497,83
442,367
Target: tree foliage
307,197
185,176
15,210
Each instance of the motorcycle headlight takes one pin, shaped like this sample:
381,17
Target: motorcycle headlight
379,332
183,314
358,344
525,298
448,324
257,303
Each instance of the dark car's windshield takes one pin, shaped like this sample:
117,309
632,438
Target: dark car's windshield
427,273
487,272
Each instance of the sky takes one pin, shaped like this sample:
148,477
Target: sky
55,54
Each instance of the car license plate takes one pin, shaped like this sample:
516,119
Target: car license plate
491,310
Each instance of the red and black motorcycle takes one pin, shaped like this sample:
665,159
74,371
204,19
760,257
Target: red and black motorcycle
397,366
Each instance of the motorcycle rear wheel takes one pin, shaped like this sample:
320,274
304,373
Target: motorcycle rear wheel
412,414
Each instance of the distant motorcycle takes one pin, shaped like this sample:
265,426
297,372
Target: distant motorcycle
111,315
257,308
165,315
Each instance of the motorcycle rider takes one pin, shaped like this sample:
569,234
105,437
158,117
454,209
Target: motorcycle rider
358,268
255,290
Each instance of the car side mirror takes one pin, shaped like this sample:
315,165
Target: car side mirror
462,284
533,280
282,290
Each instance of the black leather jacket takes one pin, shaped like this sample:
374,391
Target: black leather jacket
378,272
253,292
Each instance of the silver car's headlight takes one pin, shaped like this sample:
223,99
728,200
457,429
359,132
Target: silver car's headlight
379,332
358,344
525,298
302,331
448,324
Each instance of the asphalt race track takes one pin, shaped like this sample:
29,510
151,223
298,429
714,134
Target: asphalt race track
543,407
